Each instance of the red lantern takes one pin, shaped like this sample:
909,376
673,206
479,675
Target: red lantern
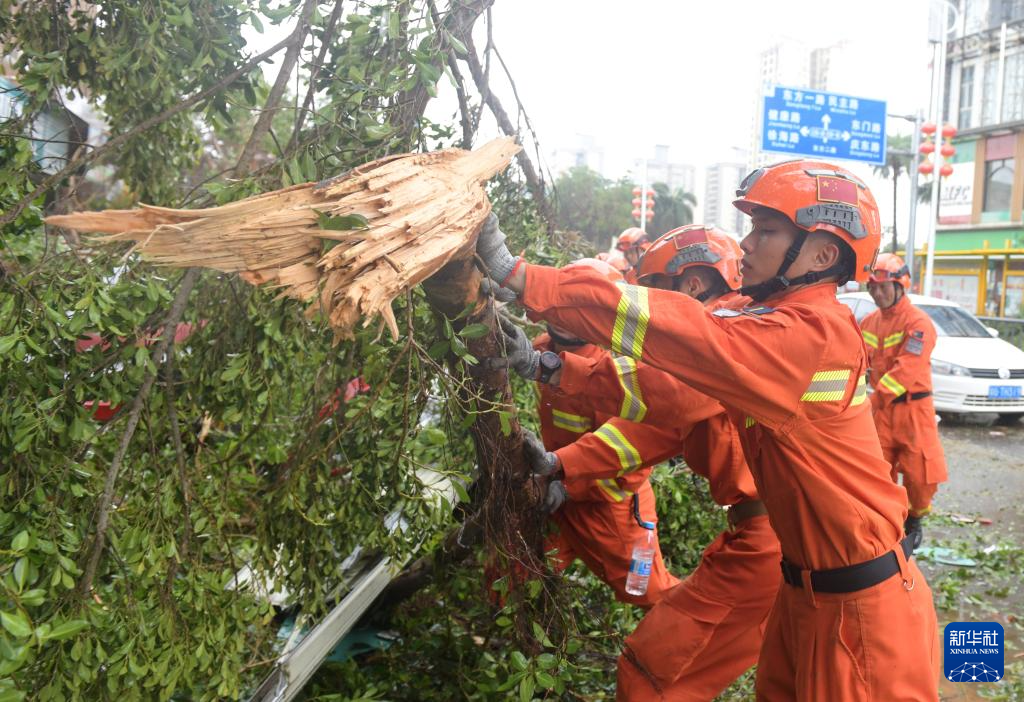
928,128
636,190
927,147
636,214
946,170
650,194
926,168
636,202
948,131
650,215
947,150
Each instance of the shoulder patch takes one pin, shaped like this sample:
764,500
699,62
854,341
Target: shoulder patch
758,309
918,334
726,312
914,346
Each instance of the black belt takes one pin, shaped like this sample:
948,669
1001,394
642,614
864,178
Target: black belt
849,578
912,396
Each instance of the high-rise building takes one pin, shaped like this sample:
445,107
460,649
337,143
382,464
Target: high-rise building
677,176
786,63
583,151
721,181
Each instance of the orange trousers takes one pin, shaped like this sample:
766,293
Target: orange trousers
706,631
602,534
853,647
912,465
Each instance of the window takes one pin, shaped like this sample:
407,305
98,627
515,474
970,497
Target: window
1013,88
966,97
988,92
953,321
998,185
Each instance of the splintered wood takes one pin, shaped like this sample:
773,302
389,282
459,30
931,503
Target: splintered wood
422,210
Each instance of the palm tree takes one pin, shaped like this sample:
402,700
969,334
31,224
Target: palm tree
899,159
671,209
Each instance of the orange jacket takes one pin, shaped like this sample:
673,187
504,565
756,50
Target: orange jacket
604,458
791,378
641,393
900,341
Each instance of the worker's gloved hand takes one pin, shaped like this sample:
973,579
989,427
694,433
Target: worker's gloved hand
555,496
489,287
542,462
490,246
520,355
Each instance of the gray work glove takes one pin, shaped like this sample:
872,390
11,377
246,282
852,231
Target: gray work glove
555,496
489,287
542,462
490,246
520,355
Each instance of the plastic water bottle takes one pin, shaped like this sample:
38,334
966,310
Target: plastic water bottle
640,564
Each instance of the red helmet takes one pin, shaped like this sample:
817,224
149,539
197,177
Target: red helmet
693,245
890,267
603,267
815,196
619,263
630,238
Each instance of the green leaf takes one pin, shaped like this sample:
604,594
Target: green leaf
33,598
504,419
546,661
474,331
378,131
545,680
15,623
7,342
519,661
526,688
20,542
21,568
67,629
460,490
459,47
341,223
392,24
438,350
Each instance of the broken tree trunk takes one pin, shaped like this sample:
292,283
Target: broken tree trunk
420,212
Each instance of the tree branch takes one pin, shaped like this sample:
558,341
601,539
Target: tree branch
325,44
263,122
533,181
120,139
160,352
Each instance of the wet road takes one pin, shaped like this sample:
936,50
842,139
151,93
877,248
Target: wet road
979,516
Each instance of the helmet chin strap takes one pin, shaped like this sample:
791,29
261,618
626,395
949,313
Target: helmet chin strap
762,291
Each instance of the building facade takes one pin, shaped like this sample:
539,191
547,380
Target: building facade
720,184
980,236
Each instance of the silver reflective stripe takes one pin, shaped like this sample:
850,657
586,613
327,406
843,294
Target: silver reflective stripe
827,386
629,457
631,318
633,407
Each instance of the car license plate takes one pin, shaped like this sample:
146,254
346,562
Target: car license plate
1003,391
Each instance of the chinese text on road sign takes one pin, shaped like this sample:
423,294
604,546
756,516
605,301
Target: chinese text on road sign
824,125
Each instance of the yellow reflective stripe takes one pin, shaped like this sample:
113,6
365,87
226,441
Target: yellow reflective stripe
827,386
749,422
629,457
570,422
860,393
892,340
631,317
613,490
869,338
892,385
633,407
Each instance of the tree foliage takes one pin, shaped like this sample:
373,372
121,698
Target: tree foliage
600,209
259,445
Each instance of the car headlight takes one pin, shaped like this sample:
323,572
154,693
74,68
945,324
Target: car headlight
945,368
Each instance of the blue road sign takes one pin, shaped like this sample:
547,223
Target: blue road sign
824,125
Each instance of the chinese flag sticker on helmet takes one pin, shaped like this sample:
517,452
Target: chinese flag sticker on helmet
837,190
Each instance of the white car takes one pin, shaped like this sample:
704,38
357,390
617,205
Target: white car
972,371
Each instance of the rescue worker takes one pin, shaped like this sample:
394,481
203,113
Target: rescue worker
854,619
706,632
603,465
900,338
632,243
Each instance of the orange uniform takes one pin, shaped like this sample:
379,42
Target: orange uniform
707,631
606,460
900,340
792,379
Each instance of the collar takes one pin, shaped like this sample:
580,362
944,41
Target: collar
813,294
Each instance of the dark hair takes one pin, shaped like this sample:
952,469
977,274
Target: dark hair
847,263
714,284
